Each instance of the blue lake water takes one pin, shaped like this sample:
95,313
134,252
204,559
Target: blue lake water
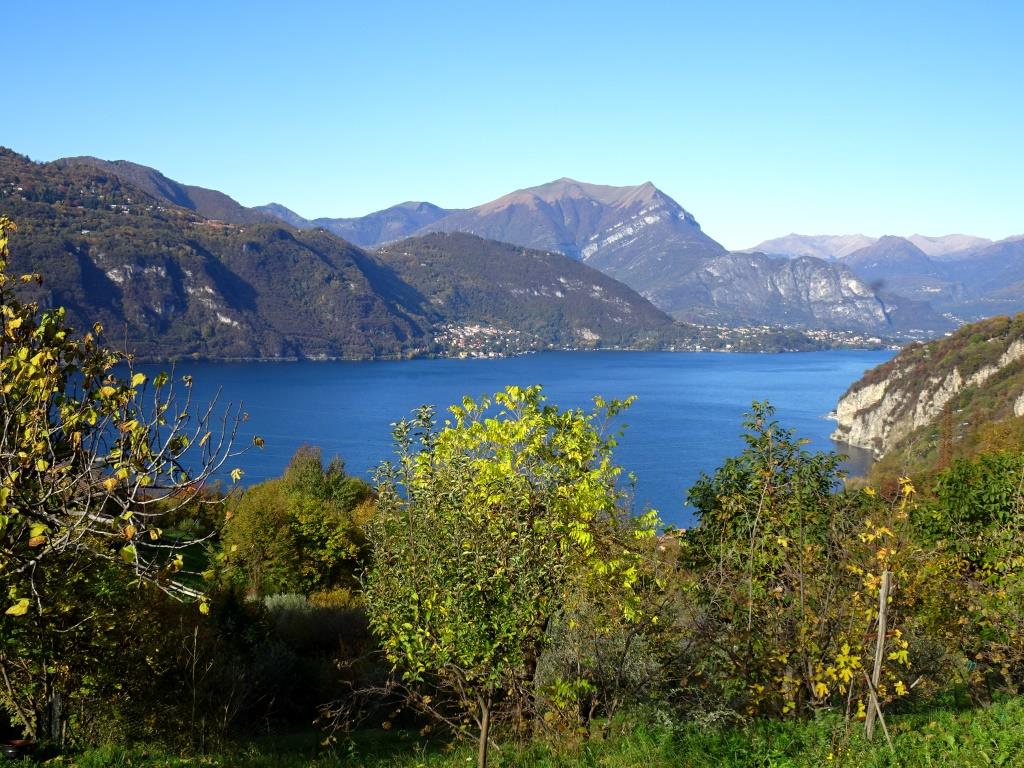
686,419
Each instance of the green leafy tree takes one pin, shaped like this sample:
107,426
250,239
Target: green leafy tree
301,533
483,525
64,672
977,518
786,573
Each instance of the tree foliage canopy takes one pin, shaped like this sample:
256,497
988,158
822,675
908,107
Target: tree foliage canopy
483,525
301,533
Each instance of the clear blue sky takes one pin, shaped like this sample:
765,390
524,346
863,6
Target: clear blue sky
760,118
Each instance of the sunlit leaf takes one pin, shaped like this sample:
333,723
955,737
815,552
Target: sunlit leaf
20,608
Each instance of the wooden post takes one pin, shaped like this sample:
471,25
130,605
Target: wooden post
876,673
878,708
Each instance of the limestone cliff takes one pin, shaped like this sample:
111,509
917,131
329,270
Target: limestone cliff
978,372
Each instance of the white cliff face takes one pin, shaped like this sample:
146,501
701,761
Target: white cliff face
1018,406
876,416
1013,353
861,415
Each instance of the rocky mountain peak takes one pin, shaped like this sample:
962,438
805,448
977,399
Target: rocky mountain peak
565,190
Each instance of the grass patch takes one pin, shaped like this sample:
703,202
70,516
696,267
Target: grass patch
938,738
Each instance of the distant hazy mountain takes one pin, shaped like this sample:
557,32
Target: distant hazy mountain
896,265
287,215
384,226
368,231
984,279
946,245
820,246
840,246
887,256
208,203
993,277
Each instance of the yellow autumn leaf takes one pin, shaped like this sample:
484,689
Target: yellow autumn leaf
20,608
138,379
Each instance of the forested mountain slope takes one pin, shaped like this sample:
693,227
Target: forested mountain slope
208,203
172,283
527,292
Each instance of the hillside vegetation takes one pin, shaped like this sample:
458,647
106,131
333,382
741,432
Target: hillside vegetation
536,296
957,396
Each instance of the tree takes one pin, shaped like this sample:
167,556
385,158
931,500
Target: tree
977,518
93,458
482,525
317,516
786,572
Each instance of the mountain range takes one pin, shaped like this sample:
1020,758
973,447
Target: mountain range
961,275
645,239
893,287
391,224
124,246
839,246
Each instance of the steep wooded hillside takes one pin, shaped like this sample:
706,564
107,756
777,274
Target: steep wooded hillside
530,295
208,203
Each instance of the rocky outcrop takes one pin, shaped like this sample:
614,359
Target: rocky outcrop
913,389
877,416
753,288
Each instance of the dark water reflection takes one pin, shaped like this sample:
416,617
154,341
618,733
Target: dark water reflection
858,460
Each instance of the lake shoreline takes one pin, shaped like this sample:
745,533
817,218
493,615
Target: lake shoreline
155,360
